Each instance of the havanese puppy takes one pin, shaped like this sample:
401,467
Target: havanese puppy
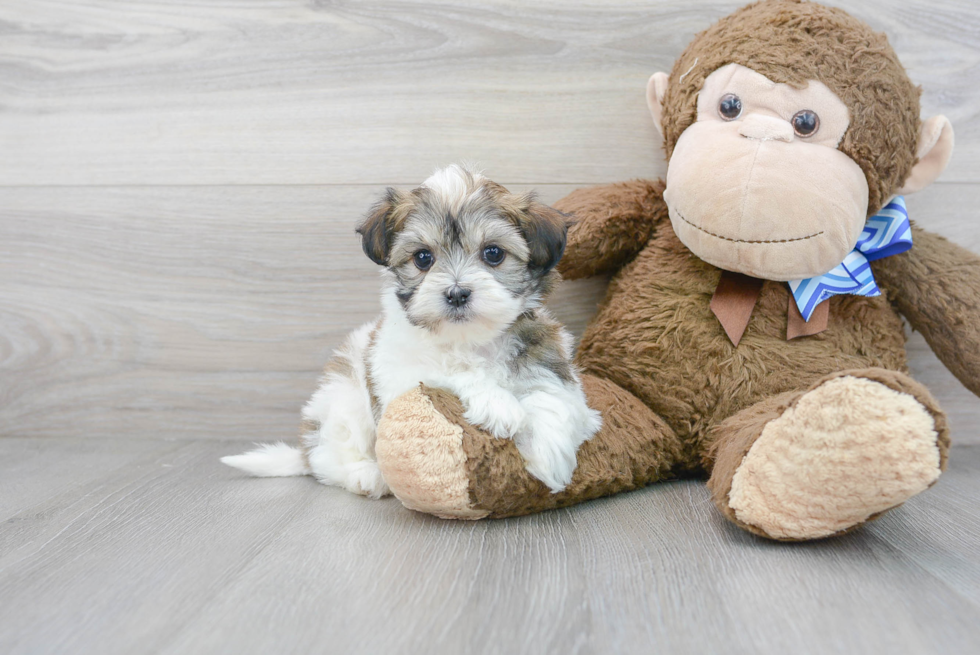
466,267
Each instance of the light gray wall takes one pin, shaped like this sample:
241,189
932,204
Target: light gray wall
179,182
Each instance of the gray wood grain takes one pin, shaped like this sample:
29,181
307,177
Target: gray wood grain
941,532
178,554
31,474
292,92
203,312
207,312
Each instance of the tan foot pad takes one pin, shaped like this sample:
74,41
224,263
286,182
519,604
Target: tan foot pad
847,450
421,455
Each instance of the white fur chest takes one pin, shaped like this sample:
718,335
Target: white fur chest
404,356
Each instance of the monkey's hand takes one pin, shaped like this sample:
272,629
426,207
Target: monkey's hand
612,223
936,286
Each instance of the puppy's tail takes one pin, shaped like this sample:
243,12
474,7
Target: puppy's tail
271,460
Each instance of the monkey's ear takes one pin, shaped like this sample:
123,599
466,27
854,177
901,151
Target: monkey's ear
378,229
656,90
935,149
545,230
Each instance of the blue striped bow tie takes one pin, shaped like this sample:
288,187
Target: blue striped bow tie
886,233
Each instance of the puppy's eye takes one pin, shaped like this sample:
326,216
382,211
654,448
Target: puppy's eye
493,255
730,106
423,260
805,123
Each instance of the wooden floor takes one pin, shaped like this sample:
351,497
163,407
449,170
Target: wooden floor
130,546
178,188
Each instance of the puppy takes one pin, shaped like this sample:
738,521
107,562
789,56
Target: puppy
466,267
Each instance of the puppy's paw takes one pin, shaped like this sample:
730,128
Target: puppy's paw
365,478
496,411
549,456
555,428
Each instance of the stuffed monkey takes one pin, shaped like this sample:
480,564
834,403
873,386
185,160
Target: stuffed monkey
752,330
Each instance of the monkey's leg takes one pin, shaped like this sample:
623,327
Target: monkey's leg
437,463
820,462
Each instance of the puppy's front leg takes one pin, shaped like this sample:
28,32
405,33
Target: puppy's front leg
558,421
488,405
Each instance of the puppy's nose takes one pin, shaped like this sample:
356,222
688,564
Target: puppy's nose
457,296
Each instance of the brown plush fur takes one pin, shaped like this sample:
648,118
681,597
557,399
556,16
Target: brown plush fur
676,396
635,448
656,314
936,286
622,219
791,42
735,436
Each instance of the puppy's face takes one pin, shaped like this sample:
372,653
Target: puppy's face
465,257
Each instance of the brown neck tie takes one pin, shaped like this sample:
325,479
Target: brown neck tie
735,298
733,302
797,327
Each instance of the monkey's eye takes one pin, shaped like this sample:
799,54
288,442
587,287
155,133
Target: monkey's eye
493,255
423,260
730,107
805,123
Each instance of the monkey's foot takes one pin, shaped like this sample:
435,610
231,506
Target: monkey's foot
839,455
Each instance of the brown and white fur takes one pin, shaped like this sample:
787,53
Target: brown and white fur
456,318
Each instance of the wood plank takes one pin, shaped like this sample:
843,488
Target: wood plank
195,311
87,570
941,532
36,469
293,92
208,312
200,311
182,555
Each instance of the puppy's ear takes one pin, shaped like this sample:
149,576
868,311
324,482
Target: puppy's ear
545,230
378,229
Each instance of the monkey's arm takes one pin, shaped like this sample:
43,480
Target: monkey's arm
612,224
936,285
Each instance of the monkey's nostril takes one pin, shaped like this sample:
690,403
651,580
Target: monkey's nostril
457,296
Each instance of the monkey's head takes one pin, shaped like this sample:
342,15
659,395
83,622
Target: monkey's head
786,125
